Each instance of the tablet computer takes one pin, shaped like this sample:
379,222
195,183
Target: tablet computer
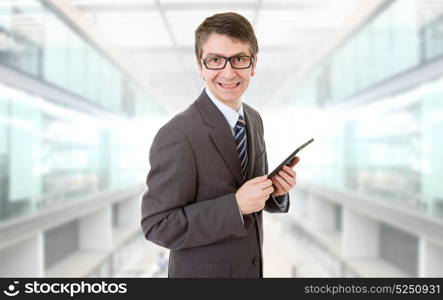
289,158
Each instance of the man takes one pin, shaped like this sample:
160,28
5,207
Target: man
207,185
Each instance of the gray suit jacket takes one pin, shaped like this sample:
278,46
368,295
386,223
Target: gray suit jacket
190,204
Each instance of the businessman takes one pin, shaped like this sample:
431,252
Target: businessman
207,186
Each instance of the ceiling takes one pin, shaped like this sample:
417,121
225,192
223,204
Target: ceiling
157,36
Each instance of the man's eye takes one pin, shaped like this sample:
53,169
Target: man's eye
239,59
214,59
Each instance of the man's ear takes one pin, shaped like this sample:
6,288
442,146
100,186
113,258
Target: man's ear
200,69
254,65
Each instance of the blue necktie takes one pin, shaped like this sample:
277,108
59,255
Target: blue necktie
240,141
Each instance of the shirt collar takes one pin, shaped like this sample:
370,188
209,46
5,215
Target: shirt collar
230,114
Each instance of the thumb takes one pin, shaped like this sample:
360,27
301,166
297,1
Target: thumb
258,179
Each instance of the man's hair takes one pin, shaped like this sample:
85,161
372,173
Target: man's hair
230,24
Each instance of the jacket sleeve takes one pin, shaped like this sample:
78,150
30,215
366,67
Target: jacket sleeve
171,217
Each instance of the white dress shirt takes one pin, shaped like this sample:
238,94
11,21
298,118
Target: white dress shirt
231,116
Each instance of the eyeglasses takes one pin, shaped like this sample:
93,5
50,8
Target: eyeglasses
219,62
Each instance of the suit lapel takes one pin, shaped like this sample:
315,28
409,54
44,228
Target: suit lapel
221,136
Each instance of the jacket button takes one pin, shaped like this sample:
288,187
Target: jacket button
255,261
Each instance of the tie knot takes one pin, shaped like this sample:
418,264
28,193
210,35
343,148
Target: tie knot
240,122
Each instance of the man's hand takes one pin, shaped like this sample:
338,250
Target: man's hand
252,195
285,179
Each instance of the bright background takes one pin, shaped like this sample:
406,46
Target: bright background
85,84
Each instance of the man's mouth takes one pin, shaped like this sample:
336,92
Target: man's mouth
228,85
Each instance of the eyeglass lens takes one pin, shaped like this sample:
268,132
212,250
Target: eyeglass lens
237,62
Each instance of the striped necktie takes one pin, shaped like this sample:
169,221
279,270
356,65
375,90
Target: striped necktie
240,140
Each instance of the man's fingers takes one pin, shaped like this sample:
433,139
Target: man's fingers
265,184
258,179
287,177
277,184
288,170
294,161
268,190
285,185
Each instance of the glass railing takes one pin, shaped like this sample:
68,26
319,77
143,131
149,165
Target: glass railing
37,41
51,154
401,37
389,148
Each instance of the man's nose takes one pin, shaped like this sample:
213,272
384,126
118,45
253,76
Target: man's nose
228,71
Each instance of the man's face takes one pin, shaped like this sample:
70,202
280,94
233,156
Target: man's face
227,84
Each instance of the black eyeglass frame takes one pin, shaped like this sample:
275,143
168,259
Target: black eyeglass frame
251,62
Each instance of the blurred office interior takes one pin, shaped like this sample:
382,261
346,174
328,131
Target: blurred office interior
85,84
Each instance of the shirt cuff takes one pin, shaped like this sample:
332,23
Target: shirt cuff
281,200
